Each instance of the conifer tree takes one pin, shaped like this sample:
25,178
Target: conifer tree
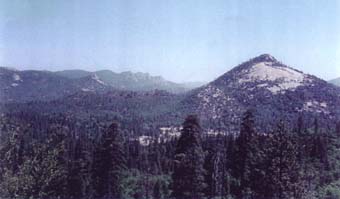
241,170
11,157
337,129
157,190
300,126
74,185
188,176
218,173
215,169
283,171
229,161
109,164
44,173
12,152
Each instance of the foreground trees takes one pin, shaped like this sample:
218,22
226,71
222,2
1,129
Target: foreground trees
243,155
188,176
42,172
53,168
282,178
301,163
109,164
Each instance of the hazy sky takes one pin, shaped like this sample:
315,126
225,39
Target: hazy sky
181,40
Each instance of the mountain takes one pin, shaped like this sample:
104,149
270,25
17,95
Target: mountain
336,81
129,81
73,74
31,85
192,85
273,90
91,83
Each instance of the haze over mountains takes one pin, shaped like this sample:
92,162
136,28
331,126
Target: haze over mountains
273,90
335,81
46,85
131,81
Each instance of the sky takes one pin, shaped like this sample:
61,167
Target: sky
181,40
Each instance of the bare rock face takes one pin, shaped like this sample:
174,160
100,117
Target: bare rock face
273,90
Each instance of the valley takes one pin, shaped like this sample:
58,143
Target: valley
232,132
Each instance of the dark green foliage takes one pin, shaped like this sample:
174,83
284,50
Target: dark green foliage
75,181
137,184
41,174
157,192
265,166
282,175
242,155
57,157
337,131
216,167
12,152
109,163
188,176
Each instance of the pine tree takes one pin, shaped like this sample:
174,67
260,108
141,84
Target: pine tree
283,172
12,152
218,173
109,164
254,173
215,169
316,126
56,165
11,158
42,172
300,126
157,194
229,179
242,154
337,129
74,182
319,149
188,176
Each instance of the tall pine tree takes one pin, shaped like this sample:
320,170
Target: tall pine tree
109,164
188,176
243,151
283,171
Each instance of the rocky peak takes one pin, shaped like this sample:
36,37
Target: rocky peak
264,58
263,72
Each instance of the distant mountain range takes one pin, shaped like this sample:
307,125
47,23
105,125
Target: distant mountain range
270,88
30,85
131,81
336,81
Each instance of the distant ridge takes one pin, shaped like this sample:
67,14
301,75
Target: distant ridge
336,81
31,85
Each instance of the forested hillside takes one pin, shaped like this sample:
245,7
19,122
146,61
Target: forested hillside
263,130
169,99
58,162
